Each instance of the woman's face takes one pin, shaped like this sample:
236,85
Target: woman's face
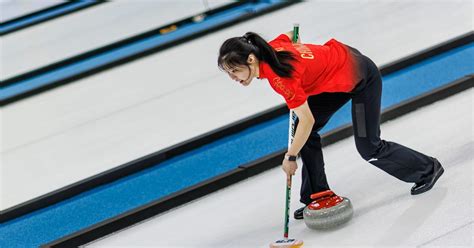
244,74
241,74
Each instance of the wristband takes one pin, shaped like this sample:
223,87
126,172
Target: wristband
290,157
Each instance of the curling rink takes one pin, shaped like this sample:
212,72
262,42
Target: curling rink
79,130
71,133
250,213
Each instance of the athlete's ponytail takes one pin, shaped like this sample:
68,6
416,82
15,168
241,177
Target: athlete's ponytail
235,51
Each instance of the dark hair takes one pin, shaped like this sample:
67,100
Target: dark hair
235,51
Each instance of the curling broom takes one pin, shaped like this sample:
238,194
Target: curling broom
286,242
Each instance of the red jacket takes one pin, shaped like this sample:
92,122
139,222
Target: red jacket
327,68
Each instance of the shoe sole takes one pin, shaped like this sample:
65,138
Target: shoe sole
298,217
430,187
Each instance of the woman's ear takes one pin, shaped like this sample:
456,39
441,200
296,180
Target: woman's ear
251,58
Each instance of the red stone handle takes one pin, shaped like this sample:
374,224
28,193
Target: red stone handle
322,194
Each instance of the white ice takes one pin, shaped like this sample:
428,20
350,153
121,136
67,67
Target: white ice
76,131
250,213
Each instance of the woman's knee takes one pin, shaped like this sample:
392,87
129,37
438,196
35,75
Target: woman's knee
368,150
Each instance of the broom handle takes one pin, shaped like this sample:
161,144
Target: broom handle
291,135
287,209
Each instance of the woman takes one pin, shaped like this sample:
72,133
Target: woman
315,81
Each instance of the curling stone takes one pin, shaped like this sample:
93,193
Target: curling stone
328,210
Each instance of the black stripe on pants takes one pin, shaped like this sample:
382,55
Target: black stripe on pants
397,160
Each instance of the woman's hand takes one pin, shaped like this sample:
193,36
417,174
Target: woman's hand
289,167
290,35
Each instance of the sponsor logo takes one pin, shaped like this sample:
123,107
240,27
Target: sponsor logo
278,83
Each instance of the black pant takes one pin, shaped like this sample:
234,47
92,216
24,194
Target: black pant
397,160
